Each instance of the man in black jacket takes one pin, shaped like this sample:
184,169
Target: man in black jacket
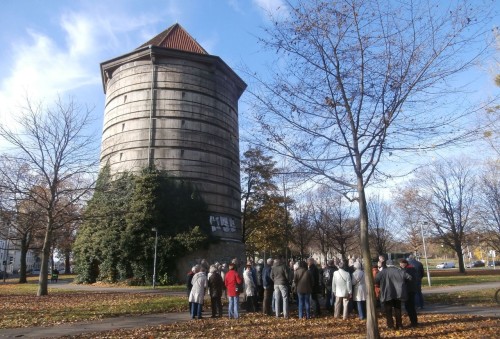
327,281
411,287
268,285
419,268
392,291
311,263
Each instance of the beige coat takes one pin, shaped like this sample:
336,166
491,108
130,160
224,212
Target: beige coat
200,283
359,286
341,284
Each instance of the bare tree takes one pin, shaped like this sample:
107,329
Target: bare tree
380,231
356,82
322,230
55,143
335,228
409,219
302,232
64,240
491,114
489,204
448,190
20,215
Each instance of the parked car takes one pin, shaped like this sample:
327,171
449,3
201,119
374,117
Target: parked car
477,263
448,264
497,263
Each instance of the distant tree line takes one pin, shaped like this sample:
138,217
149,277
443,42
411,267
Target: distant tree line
455,203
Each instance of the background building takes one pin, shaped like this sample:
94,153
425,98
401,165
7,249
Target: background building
11,258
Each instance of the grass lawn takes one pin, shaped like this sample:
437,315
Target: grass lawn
20,307
11,286
21,310
483,297
454,280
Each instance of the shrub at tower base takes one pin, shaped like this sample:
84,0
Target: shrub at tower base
117,238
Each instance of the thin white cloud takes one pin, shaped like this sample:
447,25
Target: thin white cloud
272,9
43,69
45,66
235,5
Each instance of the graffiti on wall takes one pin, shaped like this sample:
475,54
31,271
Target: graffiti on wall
222,223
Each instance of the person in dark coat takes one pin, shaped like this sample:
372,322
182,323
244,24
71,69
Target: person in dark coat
411,288
268,285
303,282
311,263
419,268
392,291
215,286
259,270
327,282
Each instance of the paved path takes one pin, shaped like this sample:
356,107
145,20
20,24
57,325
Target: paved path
128,322
94,326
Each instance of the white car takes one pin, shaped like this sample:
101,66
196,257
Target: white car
446,265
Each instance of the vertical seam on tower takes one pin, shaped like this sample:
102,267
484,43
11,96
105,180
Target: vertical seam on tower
151,106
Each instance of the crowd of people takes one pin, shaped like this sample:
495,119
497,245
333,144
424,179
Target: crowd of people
338,288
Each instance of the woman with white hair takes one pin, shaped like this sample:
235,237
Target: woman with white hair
250,289
197,295
359,289
342,290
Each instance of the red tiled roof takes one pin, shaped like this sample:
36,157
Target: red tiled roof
175,37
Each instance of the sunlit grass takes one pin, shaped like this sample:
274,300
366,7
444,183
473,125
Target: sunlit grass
460,280
479,297
12,286
20,307
29,310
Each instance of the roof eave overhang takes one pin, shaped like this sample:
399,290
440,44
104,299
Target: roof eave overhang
149,52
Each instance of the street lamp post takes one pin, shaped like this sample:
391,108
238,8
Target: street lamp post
154,229
425,252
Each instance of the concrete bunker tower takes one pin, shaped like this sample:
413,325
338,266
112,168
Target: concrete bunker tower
172,105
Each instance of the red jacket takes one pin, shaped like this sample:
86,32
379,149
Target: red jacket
232,280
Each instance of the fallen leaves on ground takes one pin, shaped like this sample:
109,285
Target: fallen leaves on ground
31,311
259,326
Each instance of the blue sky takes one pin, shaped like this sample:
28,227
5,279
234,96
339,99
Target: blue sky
51,48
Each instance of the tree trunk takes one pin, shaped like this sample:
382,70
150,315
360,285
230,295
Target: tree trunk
44,268
372,331
67,262
22,269
461,265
